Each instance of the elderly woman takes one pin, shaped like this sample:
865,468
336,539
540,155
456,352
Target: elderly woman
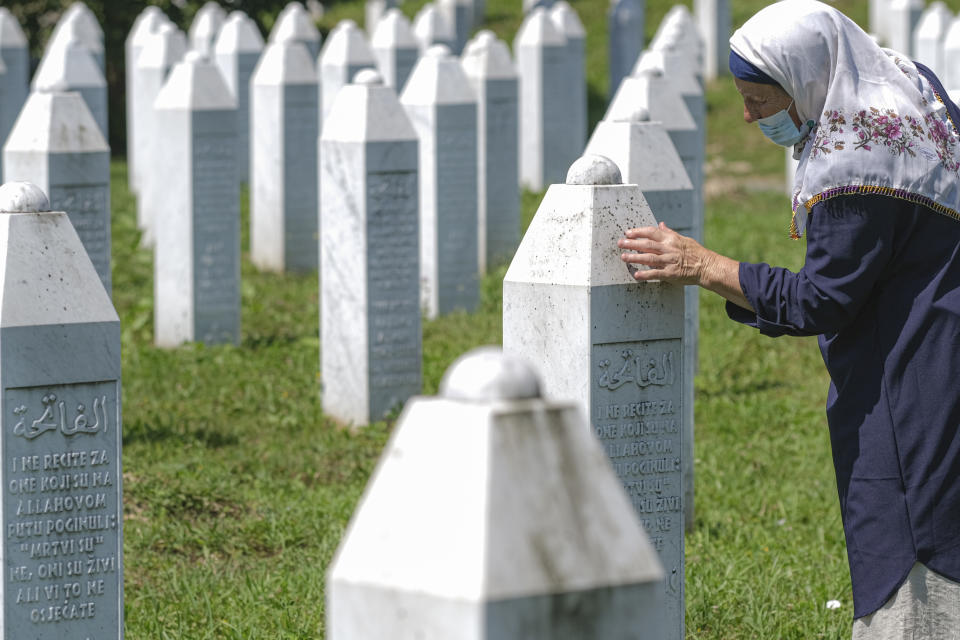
877,193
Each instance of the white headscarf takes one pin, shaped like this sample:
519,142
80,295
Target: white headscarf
881,127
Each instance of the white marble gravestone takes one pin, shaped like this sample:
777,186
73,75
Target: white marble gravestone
900,23
929,34
370,314
485,545
147,23
876,19
294,21
374,10
713,18
197,254
568,23
625,24
15,81
62,512
951,56
614,344
345,52
80,19
459,15
205,27
646,157
395,48
543,65
443,108
236,53
486,61
160,52
69,66
56,145
285,124
430,27
678,29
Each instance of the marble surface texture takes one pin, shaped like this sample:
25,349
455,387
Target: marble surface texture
345,52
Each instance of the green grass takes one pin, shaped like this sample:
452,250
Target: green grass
237,488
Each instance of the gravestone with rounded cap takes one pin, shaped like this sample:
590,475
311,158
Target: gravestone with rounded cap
147,23
370,262
482,545
62,513
285,123
443,109
345,52
236,52
197,208
395,48
56,145
486,61
542,62
614,345
294,22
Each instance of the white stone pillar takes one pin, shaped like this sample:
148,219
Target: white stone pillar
69,66
443,108
60,372
614,345
236,53
901,20
78,18
540,51
205,27
145,25
929,34
197,255
395,48
374,10
482,545
567,22
625,24
160,52
370,333
294,21
430,27
15,82
56,145
345,52
678,29
487,63
459,15
285,123
713,18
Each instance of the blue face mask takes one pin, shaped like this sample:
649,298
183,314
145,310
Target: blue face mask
781,129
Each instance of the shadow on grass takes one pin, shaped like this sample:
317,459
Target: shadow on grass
741,390
142,432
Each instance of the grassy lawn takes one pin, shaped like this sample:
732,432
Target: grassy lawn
237,488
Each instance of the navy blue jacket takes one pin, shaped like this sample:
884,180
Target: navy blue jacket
880,286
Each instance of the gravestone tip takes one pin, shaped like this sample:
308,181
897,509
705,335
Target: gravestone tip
486,374
485,38
194,57
639,114
368,77
594,170
23,197
438,51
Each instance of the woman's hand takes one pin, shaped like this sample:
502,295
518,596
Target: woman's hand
670,256
675,258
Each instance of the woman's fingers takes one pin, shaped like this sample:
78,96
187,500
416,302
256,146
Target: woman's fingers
653,233
642,245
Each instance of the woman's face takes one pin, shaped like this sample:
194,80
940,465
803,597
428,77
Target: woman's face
763,100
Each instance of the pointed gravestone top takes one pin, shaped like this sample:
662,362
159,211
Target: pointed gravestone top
165,47
487,56
68,64
11,35
56,123
85,25
295,23
205,26
430,26
284,62
393,31
567,20
347,45
438,78
196,85
653,91
487,374
934,19
372,104
23,197
144,26
594,170
672,64
239,34
539,30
